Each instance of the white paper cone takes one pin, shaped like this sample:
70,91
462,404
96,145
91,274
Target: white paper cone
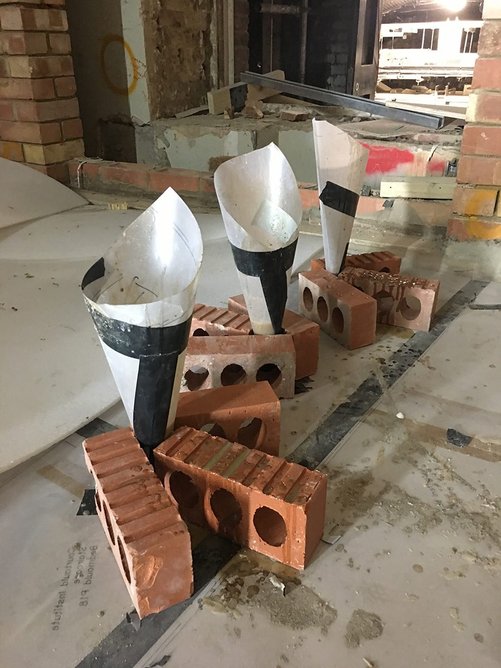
261,209
141,296
341,163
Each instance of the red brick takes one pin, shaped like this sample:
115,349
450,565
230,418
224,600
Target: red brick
40,66
147,536
23,43
34,18
270,505
479,170
490,39
487,73
12,151
212,361
65,86
60,43
309,198
27,89
305,336
72,128
84,174
377,261
484,107
4,67
474,201
404,301
207,184
128,174
7,112
59,172
473,228
212,321
182,180
33,133
482,140
245,414
342,311
46,110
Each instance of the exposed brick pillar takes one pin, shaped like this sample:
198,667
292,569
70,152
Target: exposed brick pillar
477,201
39,116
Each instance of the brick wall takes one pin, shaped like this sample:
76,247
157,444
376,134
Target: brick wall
39,115
477,201
331,34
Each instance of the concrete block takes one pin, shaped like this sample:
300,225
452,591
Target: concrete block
263,502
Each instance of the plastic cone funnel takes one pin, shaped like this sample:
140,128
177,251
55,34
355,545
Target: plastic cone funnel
341,163
140,296
261,209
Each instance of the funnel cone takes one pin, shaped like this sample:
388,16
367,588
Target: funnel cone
261,209
140,295
341,163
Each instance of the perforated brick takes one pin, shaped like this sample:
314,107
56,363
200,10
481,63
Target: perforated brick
212,321
148,538
215,361
247,414
404,301
305,336
343,312
266,503
378,261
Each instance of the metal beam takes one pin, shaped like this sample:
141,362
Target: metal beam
330,97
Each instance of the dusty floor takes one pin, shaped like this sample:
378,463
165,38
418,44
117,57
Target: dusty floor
408,432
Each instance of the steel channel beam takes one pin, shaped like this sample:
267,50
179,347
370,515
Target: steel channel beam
344,100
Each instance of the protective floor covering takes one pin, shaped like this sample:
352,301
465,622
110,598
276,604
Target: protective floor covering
412,534
26,194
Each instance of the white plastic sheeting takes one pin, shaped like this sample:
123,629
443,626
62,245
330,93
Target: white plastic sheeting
261,209
141,296
341,163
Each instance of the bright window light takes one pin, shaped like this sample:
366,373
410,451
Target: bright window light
454,6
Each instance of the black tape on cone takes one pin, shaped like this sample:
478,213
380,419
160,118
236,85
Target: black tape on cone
271,268
158,350
340,199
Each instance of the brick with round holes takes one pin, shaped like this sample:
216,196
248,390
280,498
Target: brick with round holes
213,361
342,311
148,538
263,502
377,261
305,336
248,414
404,301
213,321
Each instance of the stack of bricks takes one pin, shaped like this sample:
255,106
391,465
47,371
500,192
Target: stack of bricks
223,351
369,290
39,115
477,203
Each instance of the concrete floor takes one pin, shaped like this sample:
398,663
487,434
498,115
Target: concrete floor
407,571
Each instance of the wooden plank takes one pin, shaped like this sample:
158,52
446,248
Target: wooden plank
236,95
195,111
220,99
261,92
418,187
